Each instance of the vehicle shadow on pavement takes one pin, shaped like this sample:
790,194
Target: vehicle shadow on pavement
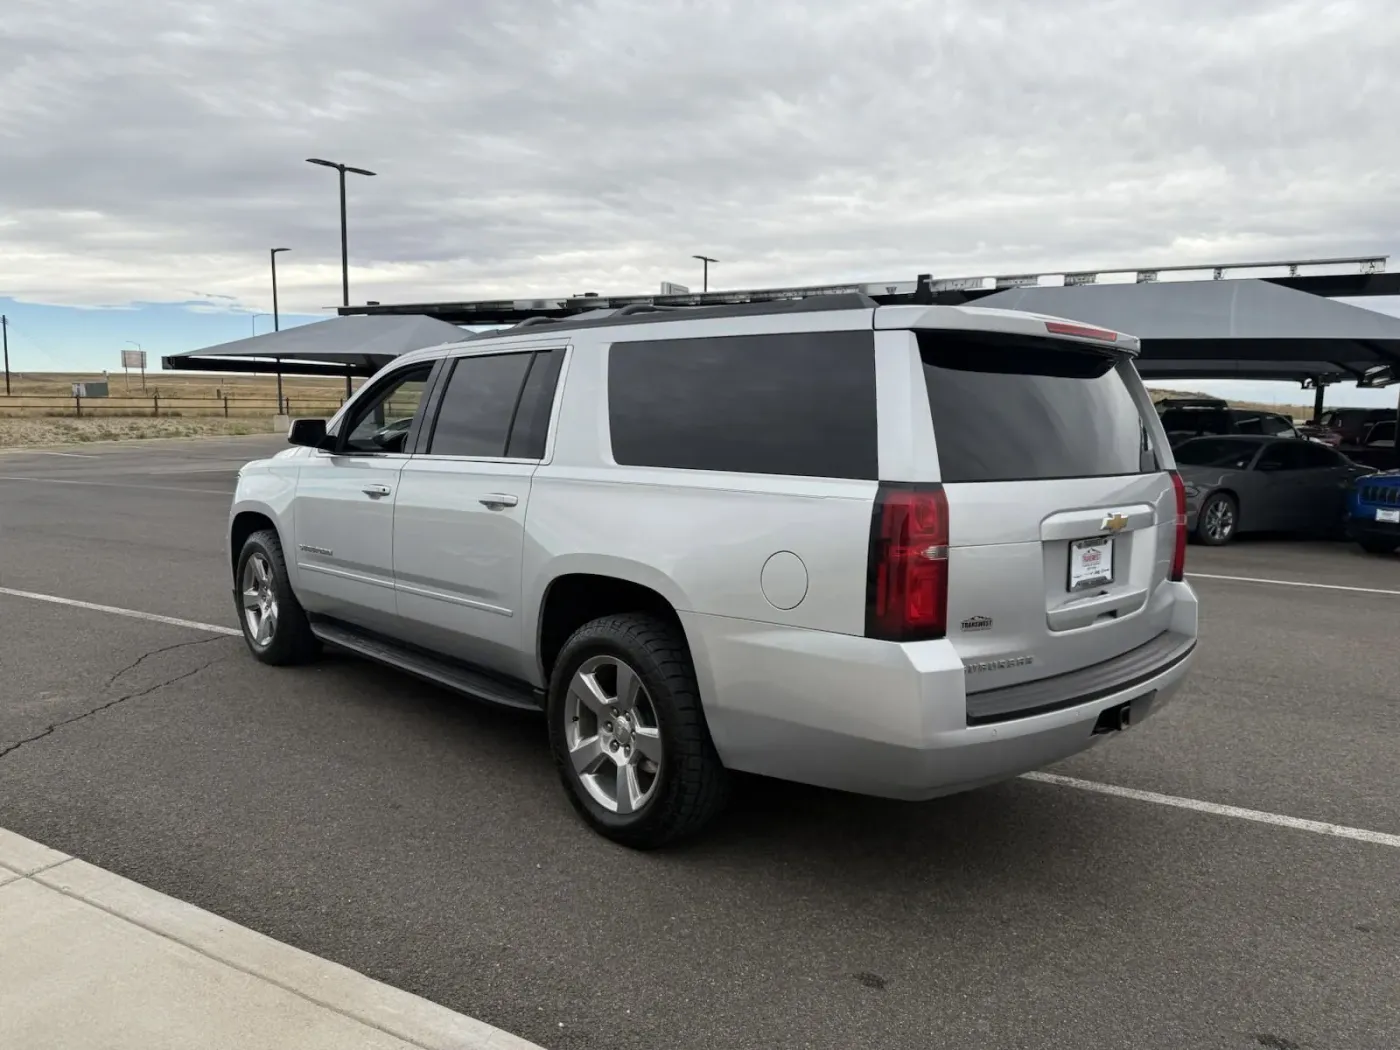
972,833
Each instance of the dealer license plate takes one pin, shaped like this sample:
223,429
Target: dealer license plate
1388,515
1090,563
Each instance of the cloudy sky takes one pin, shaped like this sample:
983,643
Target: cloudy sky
151,152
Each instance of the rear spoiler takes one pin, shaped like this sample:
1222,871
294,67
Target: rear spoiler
1006,322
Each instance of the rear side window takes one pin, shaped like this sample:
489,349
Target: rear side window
797,404
478,405
1009,408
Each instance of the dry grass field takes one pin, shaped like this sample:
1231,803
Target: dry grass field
42,411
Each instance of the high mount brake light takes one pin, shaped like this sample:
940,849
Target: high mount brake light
907,585
1179,550
1081,330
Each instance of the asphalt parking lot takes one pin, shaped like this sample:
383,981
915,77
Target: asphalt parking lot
424,841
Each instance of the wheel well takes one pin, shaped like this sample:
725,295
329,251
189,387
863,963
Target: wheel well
580,598
244,525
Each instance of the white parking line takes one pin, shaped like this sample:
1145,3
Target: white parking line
41,452
115,485
113,610
1316,827
1292,583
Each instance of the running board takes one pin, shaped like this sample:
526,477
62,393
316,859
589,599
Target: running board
449,675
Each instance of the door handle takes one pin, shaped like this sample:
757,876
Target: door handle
499,501
376,491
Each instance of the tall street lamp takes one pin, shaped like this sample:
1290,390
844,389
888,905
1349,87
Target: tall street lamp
706,260
344,243
276,322
272,252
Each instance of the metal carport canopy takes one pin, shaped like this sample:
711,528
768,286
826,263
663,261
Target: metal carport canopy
339,346
1239,329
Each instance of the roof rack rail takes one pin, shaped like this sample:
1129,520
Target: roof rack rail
1368,276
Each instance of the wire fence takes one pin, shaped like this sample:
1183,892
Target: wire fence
156,406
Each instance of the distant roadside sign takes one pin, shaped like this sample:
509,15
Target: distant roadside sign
671,288
134,359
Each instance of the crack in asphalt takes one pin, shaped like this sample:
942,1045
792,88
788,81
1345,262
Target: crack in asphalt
121,699
156,652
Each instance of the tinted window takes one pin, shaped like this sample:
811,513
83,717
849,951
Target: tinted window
527,436
1315,455
770,404
478,404
1007,408
1197,421
1217,452
381,422
1250,423
1278,425
1283,455
1381,432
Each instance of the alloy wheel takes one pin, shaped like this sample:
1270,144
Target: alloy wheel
259,600
612,735
1220,520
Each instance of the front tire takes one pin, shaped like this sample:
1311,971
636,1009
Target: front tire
274,624
628,733
1218,520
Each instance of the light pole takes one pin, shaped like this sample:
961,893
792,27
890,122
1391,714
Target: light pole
706,260
276,321
253,320
344,242
272,254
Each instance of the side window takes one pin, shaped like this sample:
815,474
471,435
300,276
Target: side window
531,427
381,423
478,403
799,404
1316,456
1282,455
1278,425
1251,424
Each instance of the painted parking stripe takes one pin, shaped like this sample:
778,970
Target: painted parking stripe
1292,583
1316,827
114,485
112,610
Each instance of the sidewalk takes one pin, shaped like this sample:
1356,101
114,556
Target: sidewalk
91,960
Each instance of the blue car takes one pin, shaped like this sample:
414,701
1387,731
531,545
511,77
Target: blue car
1373,512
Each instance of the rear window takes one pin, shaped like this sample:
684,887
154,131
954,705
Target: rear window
798,404
1010,408
1204,421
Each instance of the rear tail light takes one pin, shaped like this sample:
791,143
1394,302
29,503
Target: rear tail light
1179,551
907,587
1083,331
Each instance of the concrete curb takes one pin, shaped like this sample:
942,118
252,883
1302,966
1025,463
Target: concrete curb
323,983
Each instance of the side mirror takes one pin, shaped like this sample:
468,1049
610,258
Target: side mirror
310,433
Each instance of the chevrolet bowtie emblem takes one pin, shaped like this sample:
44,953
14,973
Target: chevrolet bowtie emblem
1114,522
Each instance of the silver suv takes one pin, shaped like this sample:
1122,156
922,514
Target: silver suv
897,550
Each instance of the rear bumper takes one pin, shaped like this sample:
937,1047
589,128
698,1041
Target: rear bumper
892,720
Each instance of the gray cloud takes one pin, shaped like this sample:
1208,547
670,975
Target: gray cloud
544,146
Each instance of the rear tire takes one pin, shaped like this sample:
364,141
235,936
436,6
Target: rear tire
274,624
607,728
1218,520
1379,546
